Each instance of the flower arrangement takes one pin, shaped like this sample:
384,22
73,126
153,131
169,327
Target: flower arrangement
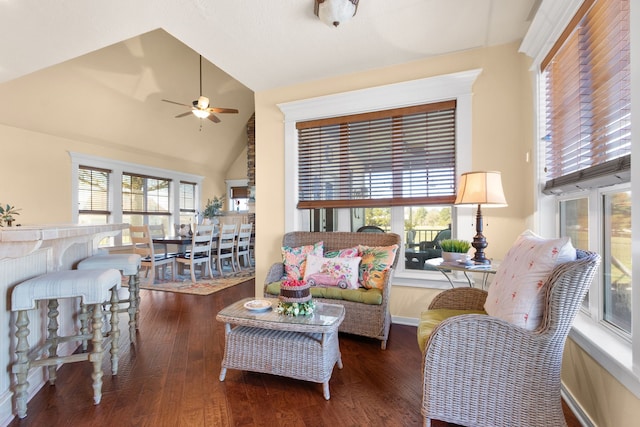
295,298
6,214
213,206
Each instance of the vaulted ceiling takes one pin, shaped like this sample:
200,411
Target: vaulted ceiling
96,71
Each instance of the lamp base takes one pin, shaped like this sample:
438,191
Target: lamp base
479,241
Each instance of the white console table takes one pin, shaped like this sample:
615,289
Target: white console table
30,251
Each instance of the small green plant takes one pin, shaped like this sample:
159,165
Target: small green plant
213,206
6,214
453,245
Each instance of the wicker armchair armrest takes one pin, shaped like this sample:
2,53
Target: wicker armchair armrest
275,274
460,299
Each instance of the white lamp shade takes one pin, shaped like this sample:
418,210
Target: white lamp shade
201,114
335,12
481,188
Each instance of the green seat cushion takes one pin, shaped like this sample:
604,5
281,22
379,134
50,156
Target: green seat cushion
362,295
431,318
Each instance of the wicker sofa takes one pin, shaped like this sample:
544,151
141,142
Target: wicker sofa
370,319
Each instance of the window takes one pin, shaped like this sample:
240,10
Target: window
238,195
386,158
110,191
187,202
239,198
342,198
585,86
145,200
93,195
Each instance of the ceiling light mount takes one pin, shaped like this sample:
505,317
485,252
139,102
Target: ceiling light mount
335,12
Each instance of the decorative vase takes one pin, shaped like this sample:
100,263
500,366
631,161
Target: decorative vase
454,256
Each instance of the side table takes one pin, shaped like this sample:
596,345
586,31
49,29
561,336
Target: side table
448,268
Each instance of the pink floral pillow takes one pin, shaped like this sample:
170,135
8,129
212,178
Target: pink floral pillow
341,272
516,293
295,259
342,253
376,260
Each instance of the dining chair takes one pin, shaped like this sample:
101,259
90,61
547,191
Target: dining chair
157,232
226,245
142,242
242,245
199,252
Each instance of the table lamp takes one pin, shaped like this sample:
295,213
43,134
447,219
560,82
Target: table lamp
482,189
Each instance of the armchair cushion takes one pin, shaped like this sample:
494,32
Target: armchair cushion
431,318
295,259
516,294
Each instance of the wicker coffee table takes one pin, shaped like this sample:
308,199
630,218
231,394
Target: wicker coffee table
301,347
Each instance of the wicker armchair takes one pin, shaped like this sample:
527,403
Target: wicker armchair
367,320
483,371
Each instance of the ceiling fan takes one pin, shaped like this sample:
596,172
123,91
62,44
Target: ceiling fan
201,108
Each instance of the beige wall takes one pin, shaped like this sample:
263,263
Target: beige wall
606,402
35,171
502,138
238,170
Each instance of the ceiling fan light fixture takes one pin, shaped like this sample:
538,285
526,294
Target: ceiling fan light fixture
203,102
201,114
335,12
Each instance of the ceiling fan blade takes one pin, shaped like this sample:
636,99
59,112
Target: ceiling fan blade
222,110
177,103
188,113
213,118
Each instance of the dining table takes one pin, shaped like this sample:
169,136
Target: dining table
181,241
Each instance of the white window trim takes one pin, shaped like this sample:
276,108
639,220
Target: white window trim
456,86
117,168
618,357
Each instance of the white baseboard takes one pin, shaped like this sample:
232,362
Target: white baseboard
582,416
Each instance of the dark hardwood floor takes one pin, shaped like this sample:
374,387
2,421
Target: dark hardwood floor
171,379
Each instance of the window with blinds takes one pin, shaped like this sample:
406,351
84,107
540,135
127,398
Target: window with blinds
398,157
144,194
588,100
93,190
187,197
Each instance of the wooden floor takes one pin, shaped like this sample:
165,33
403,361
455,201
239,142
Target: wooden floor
171,379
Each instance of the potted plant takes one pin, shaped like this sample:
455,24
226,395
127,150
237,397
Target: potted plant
6,214
454,250
213,206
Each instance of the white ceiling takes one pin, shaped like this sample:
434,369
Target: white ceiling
263,44
98,69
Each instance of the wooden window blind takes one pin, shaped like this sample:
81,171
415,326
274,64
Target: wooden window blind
588,99
398,157
93,190
240,192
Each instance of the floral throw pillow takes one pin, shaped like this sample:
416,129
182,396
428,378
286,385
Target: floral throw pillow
341,272
516,294
376,260
295,259
342,253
